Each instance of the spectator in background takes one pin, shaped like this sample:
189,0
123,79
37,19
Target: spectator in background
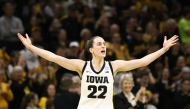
72,23
151,33
3,69
30,101
33,22
184,74
168,28
5,57
6,94
55,25
50,104
65,99
102,27
49,95
164,87
19,86
39,82
28,60
184,27
186,51
36,10
130,32
182,98
110,54
85,34
147,80
114,29
62,40
14,61
9,26
126,99
171,27
54,29
36,35
121,50
76,87
174,54
88,19
54,9
177,70
79,4
74,50
45,69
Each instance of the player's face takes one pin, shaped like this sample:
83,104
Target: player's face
127,86
99,48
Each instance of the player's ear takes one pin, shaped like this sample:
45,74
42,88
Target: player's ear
90,50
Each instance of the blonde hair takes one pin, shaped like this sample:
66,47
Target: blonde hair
127,77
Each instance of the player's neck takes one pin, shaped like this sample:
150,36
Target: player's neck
97,61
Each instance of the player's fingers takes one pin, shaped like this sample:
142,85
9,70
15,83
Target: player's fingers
174,37
165,38
20,36
27,36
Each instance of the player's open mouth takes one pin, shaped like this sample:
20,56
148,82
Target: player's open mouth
103,51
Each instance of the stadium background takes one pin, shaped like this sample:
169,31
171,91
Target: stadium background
131,28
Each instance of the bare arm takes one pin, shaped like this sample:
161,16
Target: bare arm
121,65
70,64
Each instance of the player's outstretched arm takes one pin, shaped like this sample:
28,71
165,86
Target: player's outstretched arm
121,65
70,64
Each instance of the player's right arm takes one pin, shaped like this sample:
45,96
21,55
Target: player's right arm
123,65
70,64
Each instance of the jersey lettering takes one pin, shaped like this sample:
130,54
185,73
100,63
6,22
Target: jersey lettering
97,79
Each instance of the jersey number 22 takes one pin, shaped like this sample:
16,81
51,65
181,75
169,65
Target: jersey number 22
94,90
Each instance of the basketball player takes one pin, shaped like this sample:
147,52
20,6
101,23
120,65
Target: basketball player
97,75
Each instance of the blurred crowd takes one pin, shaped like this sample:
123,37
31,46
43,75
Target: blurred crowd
131,28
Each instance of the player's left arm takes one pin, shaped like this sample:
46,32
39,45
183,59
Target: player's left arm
122,65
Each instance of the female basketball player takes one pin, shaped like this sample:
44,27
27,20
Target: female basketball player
97,74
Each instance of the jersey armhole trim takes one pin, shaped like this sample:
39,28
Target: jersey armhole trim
83,68
111,68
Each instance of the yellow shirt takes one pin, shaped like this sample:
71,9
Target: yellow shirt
121,51
6,95
42,103
4,56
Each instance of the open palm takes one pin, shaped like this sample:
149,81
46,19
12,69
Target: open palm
25,40
170,42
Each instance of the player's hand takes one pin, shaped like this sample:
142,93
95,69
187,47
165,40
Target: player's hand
25,40
170,42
